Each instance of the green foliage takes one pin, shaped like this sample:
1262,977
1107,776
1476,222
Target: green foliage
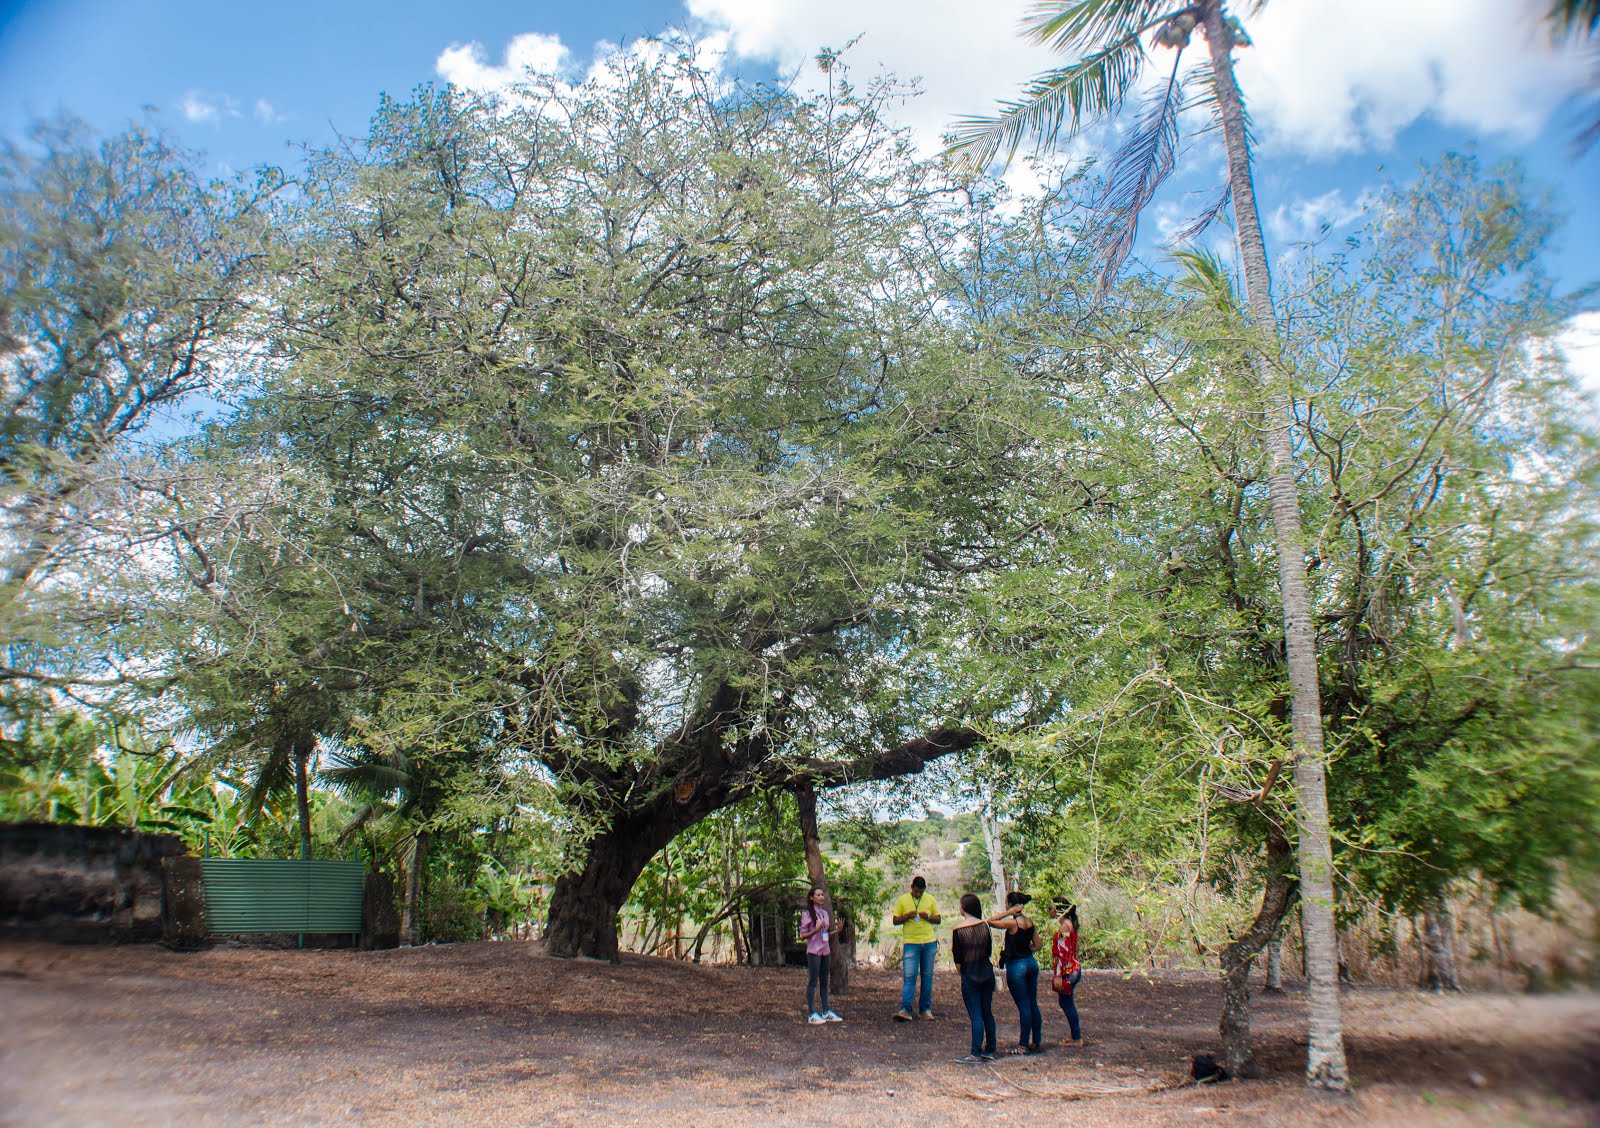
123,278
101,773
1448,491
611,452
453,906
617,466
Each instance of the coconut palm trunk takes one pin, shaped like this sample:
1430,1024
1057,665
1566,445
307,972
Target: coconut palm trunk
411,912
305,746
1325,1063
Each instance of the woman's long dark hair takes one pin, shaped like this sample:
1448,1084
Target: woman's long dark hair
811,906
971,905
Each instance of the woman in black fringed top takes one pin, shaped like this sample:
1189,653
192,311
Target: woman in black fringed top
973,948
1021,969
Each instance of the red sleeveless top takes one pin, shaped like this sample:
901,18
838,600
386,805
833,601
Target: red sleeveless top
1064,952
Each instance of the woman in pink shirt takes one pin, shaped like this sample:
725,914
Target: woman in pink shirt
817,930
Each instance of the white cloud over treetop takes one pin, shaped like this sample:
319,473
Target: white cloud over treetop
1580,345
209,109
966,56
466,65
1324,76
1310,217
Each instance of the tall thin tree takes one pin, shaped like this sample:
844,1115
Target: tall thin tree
1108,41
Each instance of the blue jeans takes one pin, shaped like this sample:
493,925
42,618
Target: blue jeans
817,969
1022,980
1069,1004
915,958
979,1000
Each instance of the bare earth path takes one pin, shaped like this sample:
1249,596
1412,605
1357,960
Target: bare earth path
497,1034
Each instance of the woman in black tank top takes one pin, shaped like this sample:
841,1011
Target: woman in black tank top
1021,969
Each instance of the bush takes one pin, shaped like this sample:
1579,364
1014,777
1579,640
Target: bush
452,914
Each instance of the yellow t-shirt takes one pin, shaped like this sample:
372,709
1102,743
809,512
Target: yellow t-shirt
917,931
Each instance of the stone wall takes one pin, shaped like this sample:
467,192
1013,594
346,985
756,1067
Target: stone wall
82,884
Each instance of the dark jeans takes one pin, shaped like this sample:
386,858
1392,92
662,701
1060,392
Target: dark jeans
817,972
1022,980
1069,1005
979,1000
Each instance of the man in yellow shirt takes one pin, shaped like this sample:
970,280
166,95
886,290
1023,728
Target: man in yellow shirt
917,913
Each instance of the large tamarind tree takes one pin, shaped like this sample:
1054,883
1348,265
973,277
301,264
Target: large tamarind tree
619,429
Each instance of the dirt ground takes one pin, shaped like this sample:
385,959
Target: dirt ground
497,1034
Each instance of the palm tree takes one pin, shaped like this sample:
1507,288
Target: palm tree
400,786
1108,41
1579,21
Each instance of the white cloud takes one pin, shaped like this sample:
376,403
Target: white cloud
1308,218
1580,343
967,56
1327,76
466,65
265,113
1324,75
199,106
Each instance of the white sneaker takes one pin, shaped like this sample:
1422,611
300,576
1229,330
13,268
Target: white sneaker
927,1014
902,1016
830,1016
816,1019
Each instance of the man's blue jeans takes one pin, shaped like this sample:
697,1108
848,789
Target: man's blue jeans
915,958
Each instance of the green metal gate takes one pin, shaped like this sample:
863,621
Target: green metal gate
266,895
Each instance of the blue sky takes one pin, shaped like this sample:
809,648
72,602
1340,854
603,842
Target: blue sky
1344,92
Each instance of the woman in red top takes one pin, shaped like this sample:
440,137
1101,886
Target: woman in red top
1067,972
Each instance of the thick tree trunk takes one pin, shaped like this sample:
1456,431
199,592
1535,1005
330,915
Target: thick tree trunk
1438,947
1277,898
844,957
806,798
585,903
1325,1059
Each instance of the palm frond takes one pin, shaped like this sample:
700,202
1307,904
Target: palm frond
1070,28
1204,275
1568,17
1054,105
372,773
366,813
1138,170
1213,211
1585,138
274,776
1208,98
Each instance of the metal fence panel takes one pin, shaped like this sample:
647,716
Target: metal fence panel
268,895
